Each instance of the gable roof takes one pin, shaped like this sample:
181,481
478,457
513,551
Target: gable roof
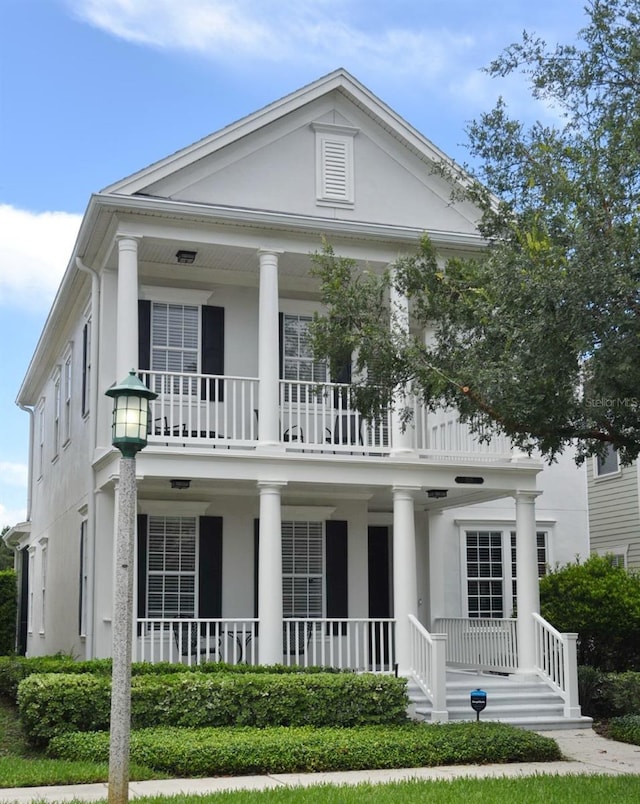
339,80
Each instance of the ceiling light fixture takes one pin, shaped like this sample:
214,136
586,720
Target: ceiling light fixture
186,257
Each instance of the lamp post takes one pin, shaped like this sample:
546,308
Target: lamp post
129,434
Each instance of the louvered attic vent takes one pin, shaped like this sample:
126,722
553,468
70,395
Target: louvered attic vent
334,164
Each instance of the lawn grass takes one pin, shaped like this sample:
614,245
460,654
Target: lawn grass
21,765
528,790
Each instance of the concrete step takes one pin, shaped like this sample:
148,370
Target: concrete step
528,703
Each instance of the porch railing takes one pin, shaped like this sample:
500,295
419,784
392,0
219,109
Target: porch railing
222,411
428,667
194,641
365,644
480,643
556,662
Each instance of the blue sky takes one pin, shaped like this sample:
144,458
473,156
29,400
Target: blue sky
93,90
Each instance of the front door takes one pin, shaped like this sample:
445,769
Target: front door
379,591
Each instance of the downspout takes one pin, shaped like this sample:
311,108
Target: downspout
31,413
93,440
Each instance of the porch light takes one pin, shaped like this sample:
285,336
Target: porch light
130,423
436,494
185,257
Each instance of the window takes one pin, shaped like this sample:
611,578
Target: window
171,567
86,364
298,363
608,463
41,435
334,164
66,416
485,574
175,336
32,576
44,559
302,569
541,547
82,585
57,403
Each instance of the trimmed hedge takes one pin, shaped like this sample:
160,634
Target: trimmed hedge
8,611
605,695
626,729
222,752
13,669
52,704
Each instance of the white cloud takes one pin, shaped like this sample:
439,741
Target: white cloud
317,32
9,517
34,250
13,474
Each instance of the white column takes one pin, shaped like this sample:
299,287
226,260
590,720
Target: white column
528,600
127,310
270,574
268,357
401,440
405,593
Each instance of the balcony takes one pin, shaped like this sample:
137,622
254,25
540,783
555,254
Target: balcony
222,412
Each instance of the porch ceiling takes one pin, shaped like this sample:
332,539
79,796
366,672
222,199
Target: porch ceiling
378,499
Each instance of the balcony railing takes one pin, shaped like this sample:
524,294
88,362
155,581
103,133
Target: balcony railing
222,411
193,641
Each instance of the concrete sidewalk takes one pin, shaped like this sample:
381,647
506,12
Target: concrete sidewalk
585,751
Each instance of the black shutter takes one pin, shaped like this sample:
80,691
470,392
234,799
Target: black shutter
210,567
85,346
23,603
336,580
144,335
256,565
281,345
213,350
142,565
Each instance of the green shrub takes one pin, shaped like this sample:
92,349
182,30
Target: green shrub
601,603
8,611
623,693
51,704
15,668
626,729
209,752
591,691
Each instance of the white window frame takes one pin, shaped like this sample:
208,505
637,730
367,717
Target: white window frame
318,369
32,580
41,436
67,378
162,354
164,573
505,533
496,542
44,572
335,171
57,410
603,467
293,569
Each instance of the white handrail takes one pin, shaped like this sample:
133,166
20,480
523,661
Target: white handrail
556,662
428,667
196,640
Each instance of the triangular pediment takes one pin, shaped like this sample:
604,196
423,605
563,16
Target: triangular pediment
331,149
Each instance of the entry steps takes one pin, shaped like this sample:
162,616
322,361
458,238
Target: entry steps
528,703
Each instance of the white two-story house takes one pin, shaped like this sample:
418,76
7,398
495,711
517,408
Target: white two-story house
274,523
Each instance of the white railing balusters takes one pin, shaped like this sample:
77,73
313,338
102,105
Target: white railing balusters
556,662
481,643
428,667
195,640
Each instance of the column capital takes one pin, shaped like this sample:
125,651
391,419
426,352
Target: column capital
127,242
526,496
405,491
270,252
264,486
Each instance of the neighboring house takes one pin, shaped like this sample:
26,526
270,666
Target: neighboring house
614,509
274,523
